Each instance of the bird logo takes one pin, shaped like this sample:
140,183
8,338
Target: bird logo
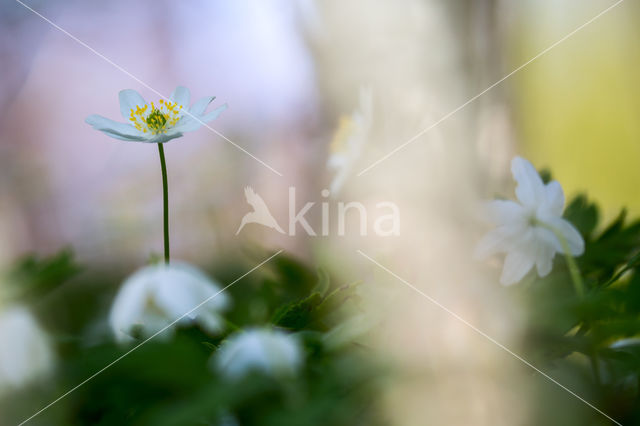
260,213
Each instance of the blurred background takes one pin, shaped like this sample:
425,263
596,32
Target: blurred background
289,71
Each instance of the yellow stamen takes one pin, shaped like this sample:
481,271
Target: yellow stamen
158,119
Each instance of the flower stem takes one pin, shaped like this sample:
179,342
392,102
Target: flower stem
573,266
578,285
165,204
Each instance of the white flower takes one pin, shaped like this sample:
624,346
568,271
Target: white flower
25,353
348,141
157,295
156,122
523,227
265,350
628,343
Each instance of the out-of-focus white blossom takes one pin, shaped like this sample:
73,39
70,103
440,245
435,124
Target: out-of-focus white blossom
156,122
25,353
348,141
265,350
629,342
157,295
526,230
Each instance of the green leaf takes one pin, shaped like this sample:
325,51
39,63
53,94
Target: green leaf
324,282
297,315
545,175
33,276
583,215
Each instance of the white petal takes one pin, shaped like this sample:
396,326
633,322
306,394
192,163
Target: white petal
544,259
211,322
554,198
122,131
516,266
496,241
214,114
185,287
530,190
158,295
271,352
200,106
188,124
165,137
504,212
570,233
128,306
181,96
129,99
546,237
174,294
193,120
25,353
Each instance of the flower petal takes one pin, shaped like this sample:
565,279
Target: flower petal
129,99
25,353
516,266
270,352
503,212
128,306
546,237
182,287
210,321
181,96
530,190
554,198
495,241
544,259
214,114
122,131
200,106
570,233
189,123
165,137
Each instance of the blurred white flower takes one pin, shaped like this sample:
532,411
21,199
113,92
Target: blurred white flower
25,353
156,123
628,343
348,140
348,330
157,295
269,351
524,228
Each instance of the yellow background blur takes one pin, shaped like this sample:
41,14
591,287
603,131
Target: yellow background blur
579,105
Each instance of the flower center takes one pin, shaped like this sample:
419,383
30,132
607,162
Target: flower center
155,120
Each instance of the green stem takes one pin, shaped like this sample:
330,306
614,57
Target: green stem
578,284
165,204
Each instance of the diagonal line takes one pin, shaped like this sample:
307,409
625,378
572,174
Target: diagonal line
486,336
445,117
82,43
149,338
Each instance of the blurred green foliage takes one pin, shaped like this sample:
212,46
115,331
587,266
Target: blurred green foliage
575,337
164,383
